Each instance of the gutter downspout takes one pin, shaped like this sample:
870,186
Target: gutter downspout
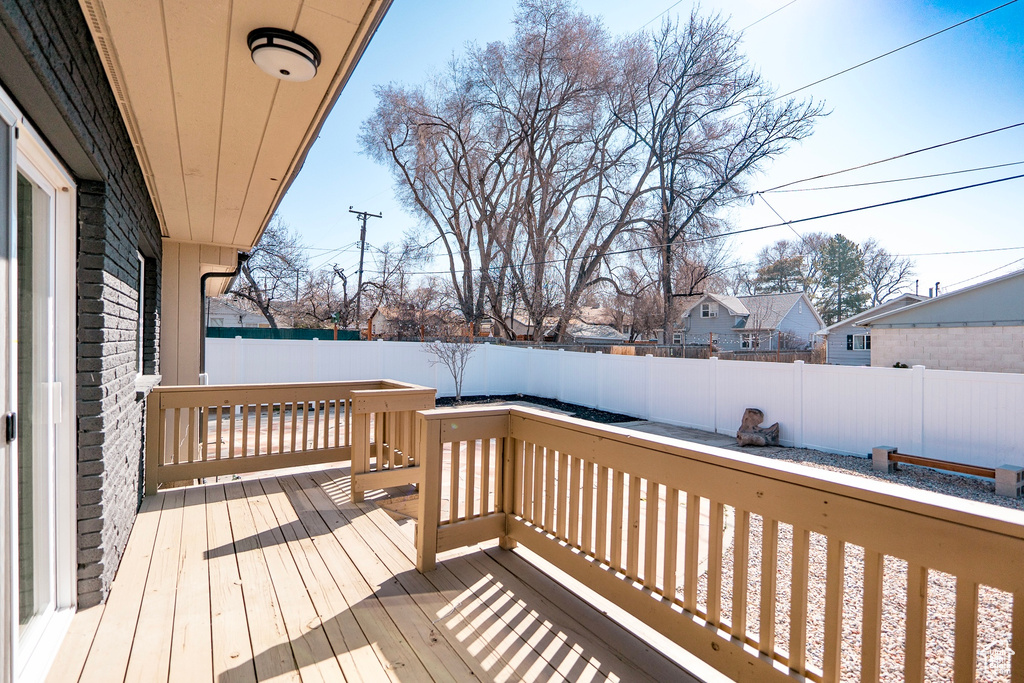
242,258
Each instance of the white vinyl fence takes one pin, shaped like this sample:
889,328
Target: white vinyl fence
971,417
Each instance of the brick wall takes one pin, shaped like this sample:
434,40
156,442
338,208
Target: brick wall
983,349
116,221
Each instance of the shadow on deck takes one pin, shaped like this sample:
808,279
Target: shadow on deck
284,577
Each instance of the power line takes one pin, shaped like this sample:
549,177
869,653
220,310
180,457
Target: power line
890,52
893,158
766,16
743,231
989,272
896,180
663,13
965,251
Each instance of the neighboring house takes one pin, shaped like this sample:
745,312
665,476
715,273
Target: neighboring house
140,149
976,328
849,343
221,313
580,332
742,323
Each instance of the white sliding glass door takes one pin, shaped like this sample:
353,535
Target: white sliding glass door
38,496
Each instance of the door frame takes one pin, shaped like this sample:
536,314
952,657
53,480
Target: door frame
29,659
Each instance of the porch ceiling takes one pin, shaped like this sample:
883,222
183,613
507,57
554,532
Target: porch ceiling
220,141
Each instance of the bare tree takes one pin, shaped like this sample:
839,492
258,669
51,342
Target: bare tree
452,351
274,269
886,274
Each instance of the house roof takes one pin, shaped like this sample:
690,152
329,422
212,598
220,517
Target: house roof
731,303
581,330
996,301
900,301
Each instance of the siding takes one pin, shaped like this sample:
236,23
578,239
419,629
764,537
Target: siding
722,327
116,219
801,322
837,352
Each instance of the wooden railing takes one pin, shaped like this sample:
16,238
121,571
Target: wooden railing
194,432
693,541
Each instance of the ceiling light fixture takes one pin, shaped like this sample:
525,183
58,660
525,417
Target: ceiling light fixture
284,54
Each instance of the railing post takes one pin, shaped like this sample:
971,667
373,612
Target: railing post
508,481
429,437
360,452
155,420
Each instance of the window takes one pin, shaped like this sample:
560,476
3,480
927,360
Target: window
677,337
748,341
141,329
858,342
709,310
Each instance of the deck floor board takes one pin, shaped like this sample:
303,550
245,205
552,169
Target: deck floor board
284,578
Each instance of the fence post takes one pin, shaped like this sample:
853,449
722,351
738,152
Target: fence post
798,404
380,359
561,375
429,503
485,361
314,354
917,409
649,389
713,391
600,379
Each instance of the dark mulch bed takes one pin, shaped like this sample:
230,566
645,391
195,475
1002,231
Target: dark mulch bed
580,412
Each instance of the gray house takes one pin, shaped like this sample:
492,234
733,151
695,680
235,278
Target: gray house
849,343
741,323
975,328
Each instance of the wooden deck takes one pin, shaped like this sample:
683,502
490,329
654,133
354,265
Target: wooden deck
284,578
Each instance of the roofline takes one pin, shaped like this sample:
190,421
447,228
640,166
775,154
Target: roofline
926,302
862,314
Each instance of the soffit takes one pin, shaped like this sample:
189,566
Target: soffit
219,141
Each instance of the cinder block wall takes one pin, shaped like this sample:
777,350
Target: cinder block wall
116,222
983,349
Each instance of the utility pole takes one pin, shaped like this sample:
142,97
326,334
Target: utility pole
361,216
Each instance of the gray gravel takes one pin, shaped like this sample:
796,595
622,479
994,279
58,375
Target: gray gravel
993,662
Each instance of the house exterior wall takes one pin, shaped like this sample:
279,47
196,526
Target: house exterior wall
984,349
698,328
800,322
116,221
837,351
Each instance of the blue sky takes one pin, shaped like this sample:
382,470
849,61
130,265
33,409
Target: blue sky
965,81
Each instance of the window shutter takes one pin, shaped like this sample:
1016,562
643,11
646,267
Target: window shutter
867,342
849,342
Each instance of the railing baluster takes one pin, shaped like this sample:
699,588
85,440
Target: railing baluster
549,489
220,419
258,436
652,512
835,571
716,517
587,532
231,432
176,416
270,427
871,616
917,613
245,430
769,580
617,504
193,433
470,478
798,600
305,426
692,557
295,417
453,491
485,477
574,501
966,639
339,406
633,529
562,497
527,501
601,515
671,542
203,431
740,564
